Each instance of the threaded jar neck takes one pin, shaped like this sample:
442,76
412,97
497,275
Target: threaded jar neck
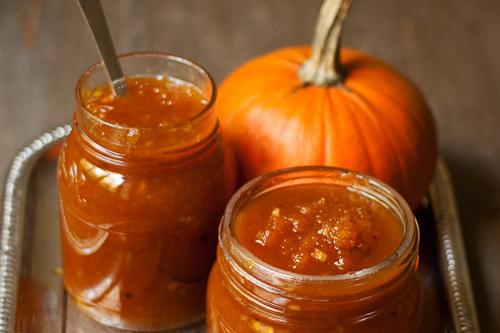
117,142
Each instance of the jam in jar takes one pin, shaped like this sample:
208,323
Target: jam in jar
143,181
315,249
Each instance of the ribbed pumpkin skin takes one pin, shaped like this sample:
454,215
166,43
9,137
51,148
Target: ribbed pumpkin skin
375,122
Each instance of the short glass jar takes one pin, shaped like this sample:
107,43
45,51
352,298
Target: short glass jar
140,207
247,295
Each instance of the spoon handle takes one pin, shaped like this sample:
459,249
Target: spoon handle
92,9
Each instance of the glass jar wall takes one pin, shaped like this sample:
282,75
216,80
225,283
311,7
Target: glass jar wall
140,206
248,295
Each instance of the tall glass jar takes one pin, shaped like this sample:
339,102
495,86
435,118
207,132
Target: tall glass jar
140,207
247,295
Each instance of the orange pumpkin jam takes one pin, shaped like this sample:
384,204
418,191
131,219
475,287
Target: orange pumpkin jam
300,254
143,180
318,229
150,102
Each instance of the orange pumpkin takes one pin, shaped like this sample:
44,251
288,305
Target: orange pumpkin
328,106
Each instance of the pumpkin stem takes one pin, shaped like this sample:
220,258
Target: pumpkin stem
323,67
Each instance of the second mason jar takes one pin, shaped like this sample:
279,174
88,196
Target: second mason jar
141,193
315,249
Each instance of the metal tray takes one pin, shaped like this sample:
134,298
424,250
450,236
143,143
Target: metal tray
32,298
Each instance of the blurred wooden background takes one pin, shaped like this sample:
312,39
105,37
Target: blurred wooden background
450,48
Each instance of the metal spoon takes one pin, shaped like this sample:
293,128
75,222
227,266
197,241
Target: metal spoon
92,9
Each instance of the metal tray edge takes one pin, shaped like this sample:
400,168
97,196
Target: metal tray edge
11,227
453,261
455,271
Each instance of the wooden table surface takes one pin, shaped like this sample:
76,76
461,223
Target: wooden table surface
450,48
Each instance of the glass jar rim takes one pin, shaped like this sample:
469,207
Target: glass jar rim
161,55
228,241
